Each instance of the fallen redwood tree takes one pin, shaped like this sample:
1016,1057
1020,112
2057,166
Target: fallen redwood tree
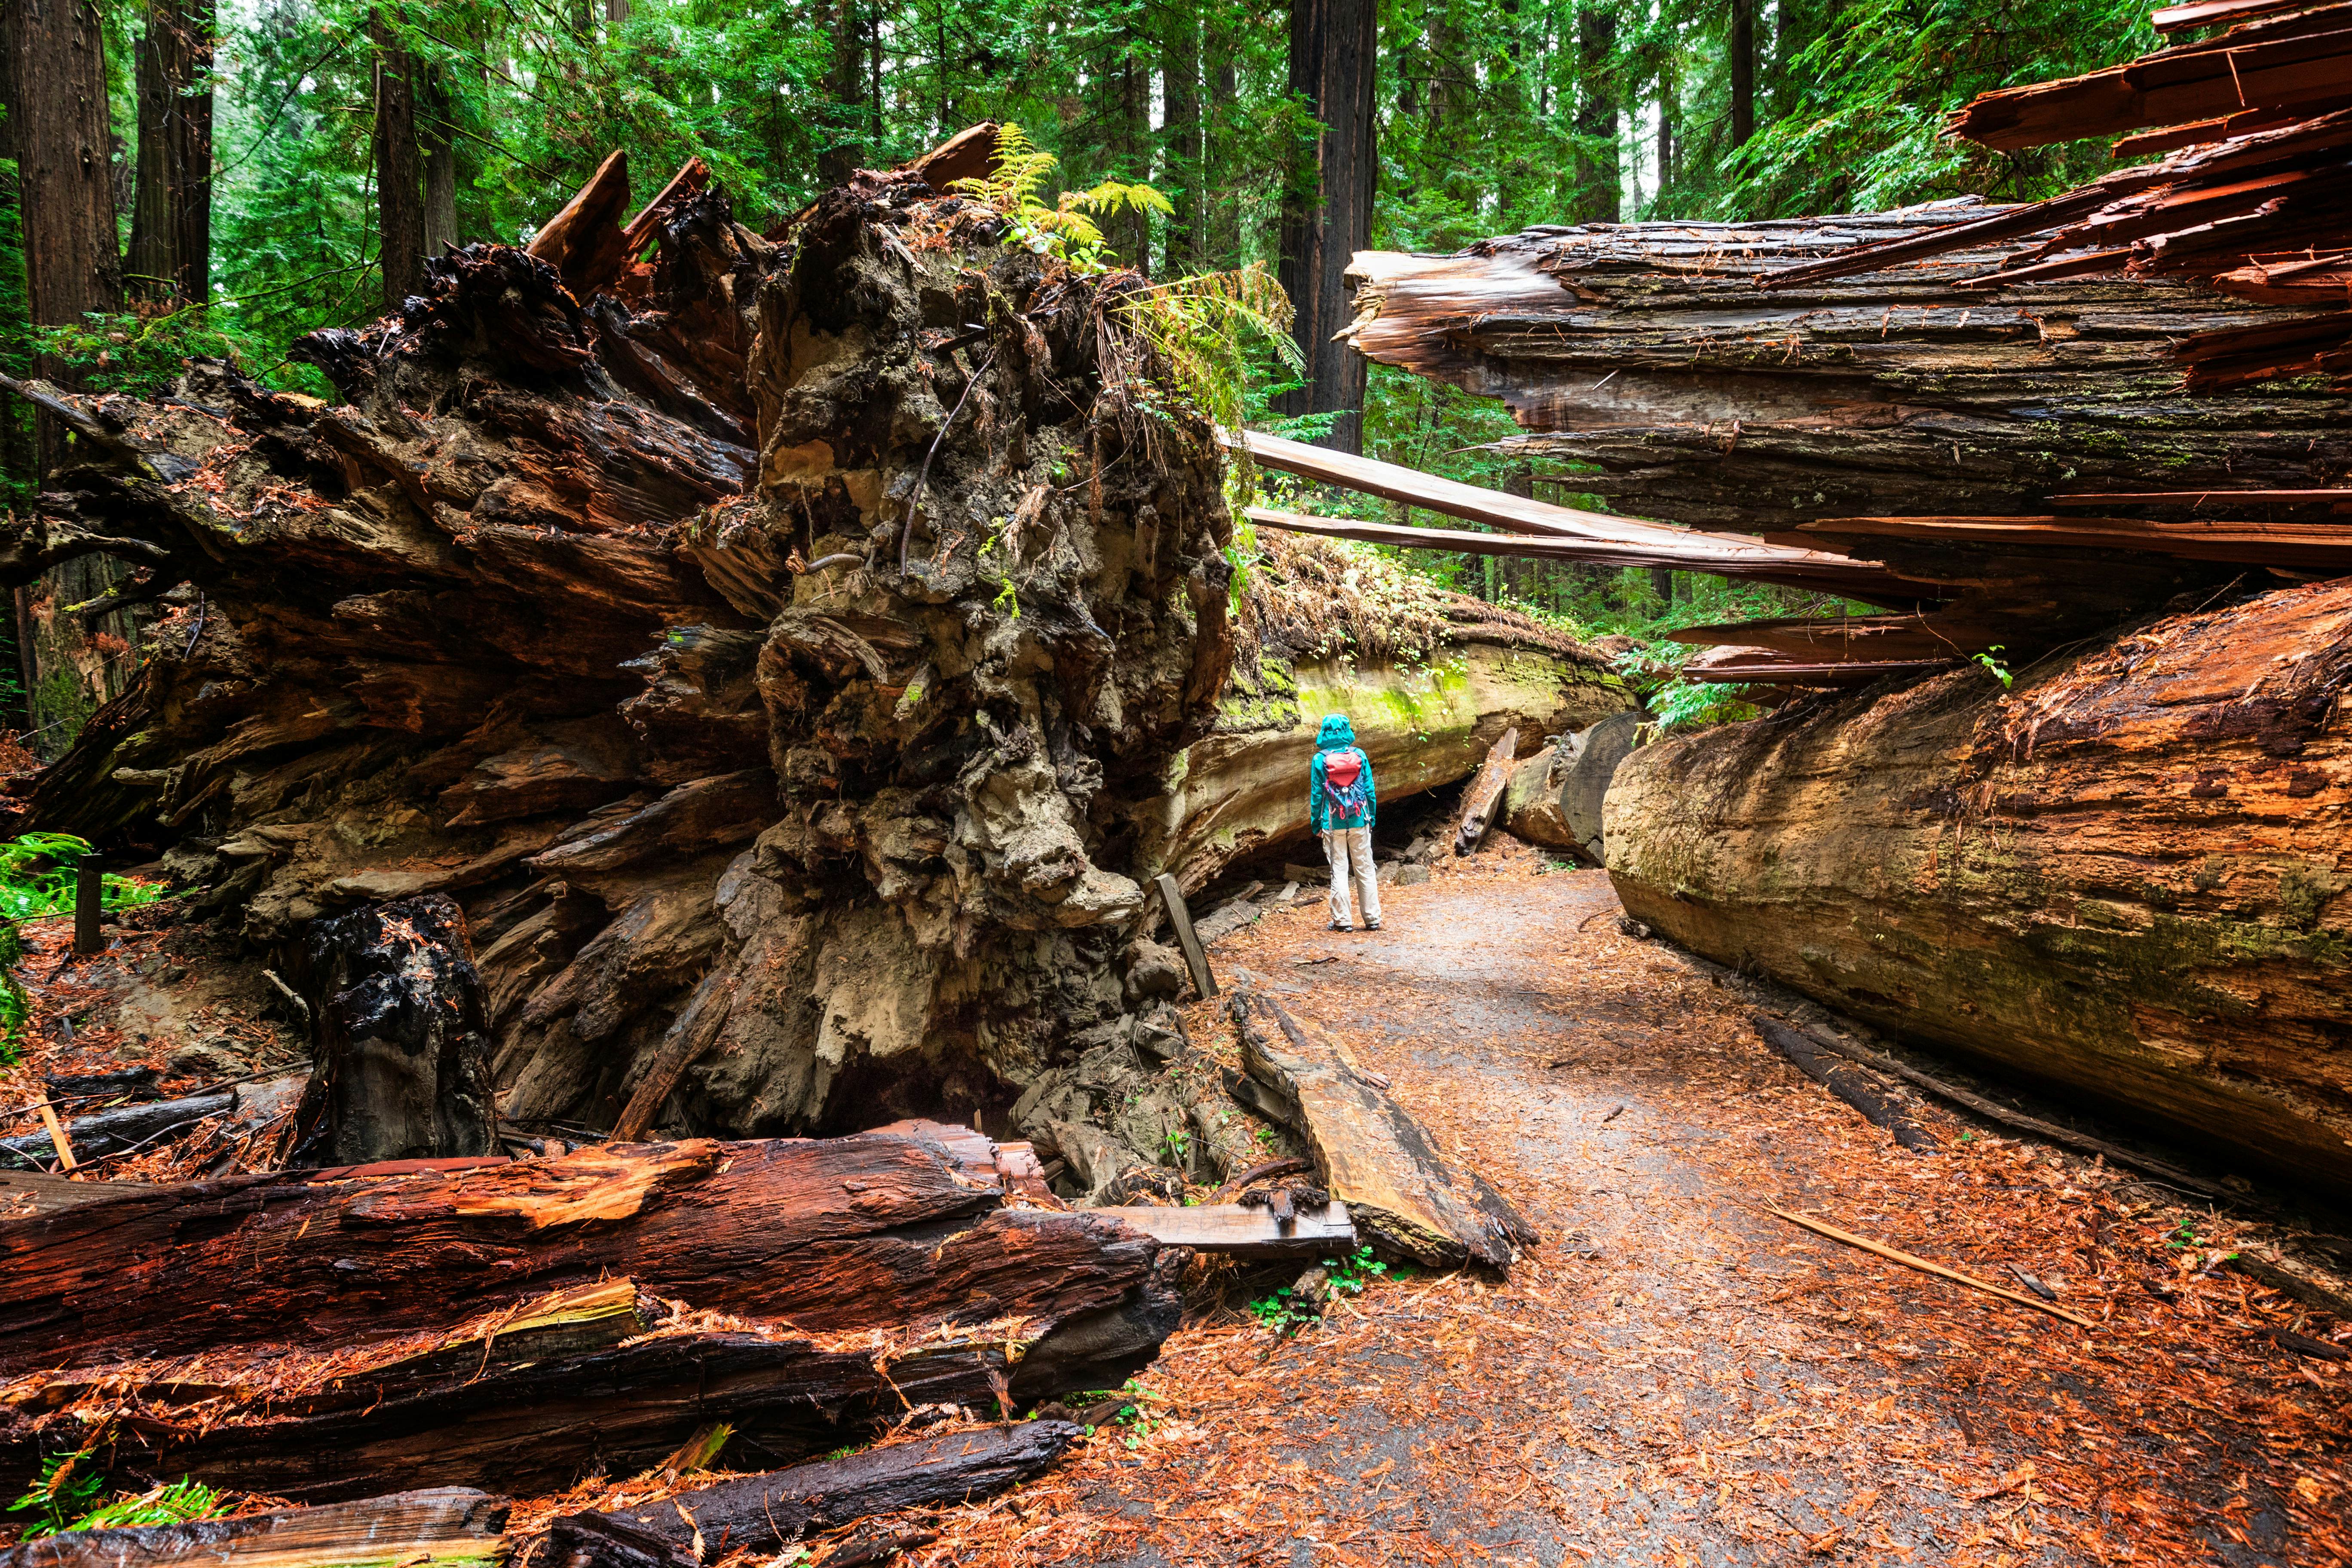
791,661
2127,877
515,1324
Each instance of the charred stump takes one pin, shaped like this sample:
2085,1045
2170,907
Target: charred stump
400,1050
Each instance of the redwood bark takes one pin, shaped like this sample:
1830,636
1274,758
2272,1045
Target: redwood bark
2125,878
1646,352
1599,180
1740,46
171,225
399,168
1327,213
1185,157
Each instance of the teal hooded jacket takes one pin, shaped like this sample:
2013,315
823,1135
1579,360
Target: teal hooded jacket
1338,735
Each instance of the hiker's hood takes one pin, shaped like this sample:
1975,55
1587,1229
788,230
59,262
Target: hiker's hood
1335,733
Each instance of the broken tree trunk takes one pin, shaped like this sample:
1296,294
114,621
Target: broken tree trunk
528,622
1646,351
515,1323
2127,877
445,1528
400,1048
1480,801
767,1513
1405,1200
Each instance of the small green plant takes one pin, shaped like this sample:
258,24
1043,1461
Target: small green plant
1996,668
1351,1274
1268,1136
68,1482
1180,1144
1066,230
175,1502
1281,1314
2183,1238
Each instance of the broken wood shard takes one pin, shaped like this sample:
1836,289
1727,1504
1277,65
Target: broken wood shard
1238,1231
1406,1200
1911,1261
769,1513
443,1528
1485,793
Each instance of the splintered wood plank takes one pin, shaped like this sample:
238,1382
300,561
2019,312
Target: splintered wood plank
1683,548
1486,789
1238,1231
2317,546
1405,1199
1196,957
449,1527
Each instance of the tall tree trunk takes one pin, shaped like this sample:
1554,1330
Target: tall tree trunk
1224,220
616,14
171,223
1186,154
1128,144
1328,202
1742,49
1667,106
844,88
1599,181
56,65
57,104
399,180
435,135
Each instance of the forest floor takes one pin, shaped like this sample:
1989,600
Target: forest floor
1675,1376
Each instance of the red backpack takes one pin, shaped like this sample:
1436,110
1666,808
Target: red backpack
1344,794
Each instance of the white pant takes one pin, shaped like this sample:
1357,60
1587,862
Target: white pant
1350,849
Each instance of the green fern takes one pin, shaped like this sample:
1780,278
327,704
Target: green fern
1066,231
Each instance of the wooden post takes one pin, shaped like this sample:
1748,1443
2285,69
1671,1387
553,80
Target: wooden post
1195,956
58,1142
88,889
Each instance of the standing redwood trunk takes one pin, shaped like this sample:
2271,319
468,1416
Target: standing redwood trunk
171,223
1224,100
1598,181
1328,209
57,103
1186,159
398,175
1742,48
434,135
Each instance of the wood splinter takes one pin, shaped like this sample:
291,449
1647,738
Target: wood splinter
1910,1260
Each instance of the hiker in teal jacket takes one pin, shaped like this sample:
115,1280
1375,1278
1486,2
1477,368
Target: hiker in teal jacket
1340,804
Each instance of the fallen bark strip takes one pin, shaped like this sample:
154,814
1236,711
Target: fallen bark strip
835,1235
25,1193
1991,1110
448,1528
1406,1200
1845,1083
1911,1260
1485,792
766,1513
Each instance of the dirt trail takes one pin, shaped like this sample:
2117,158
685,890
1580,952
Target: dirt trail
1674,1376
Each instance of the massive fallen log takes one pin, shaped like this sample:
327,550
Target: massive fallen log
528,622
517,1324
1644,355
2126,877
1405,1199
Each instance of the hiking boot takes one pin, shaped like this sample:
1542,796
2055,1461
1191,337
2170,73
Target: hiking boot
1372,925
1342,925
